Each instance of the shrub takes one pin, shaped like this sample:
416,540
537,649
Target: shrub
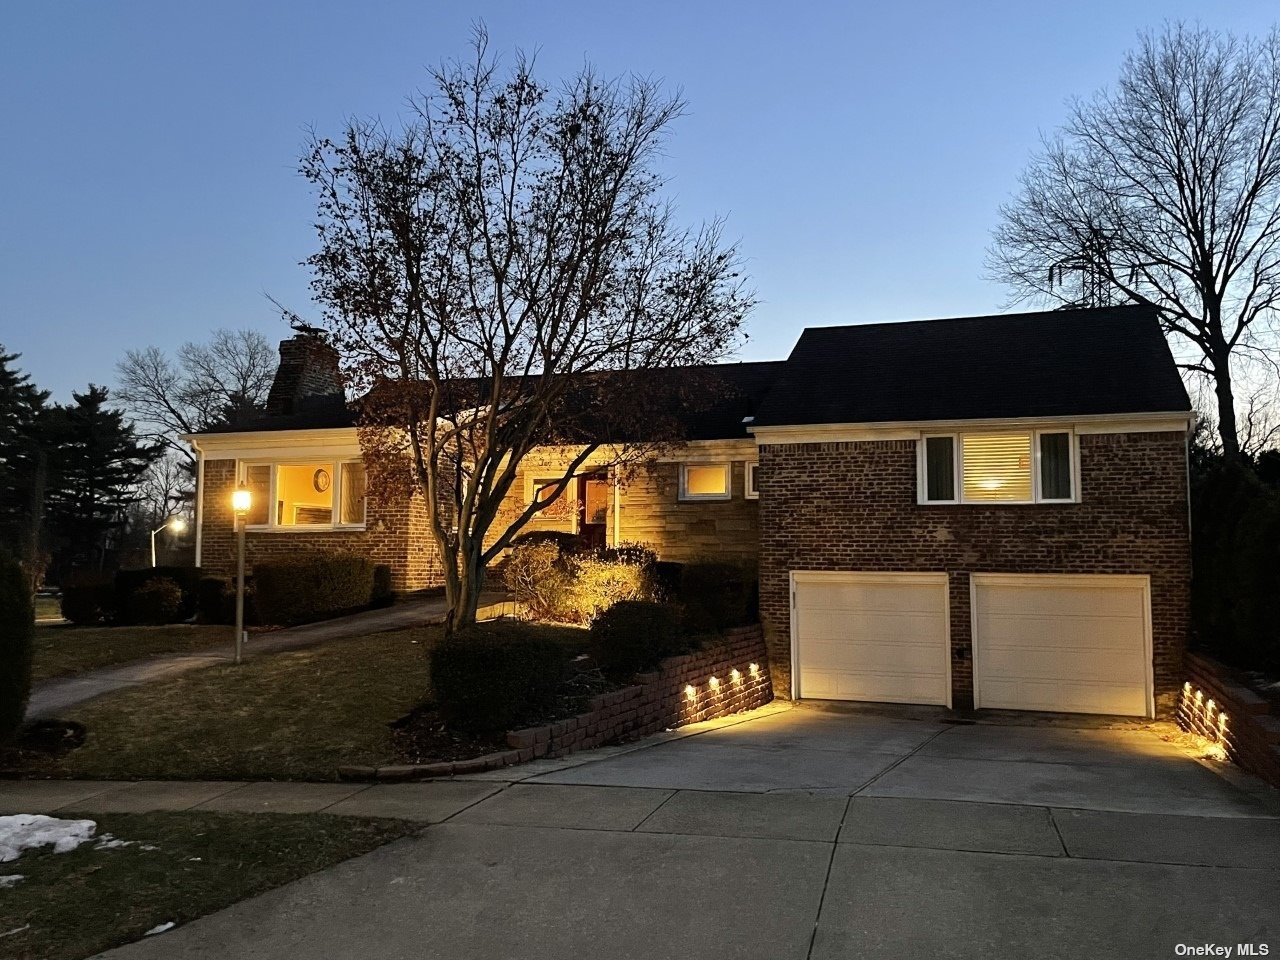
597,584
312,586
633,635
715,595
128,582
216,601
666,579
157,601
88,598
567,543
537,579
497,676
1235,590
382,595
17,643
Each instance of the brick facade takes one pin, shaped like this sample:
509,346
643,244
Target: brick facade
395,534
852,506
1214,704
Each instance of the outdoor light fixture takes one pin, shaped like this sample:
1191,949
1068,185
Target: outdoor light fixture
735,675
176,524
754,668
714,683
241,501
690,692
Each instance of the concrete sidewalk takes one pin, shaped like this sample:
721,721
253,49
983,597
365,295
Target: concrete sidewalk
50,698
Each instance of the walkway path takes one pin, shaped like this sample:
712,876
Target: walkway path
51,698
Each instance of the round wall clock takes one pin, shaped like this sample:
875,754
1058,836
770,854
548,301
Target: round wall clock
321,480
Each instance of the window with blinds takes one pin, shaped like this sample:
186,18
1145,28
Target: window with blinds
1009,467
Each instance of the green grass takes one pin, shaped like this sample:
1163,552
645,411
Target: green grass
73,905
63,649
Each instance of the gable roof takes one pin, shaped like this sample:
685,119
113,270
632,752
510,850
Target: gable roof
1111,360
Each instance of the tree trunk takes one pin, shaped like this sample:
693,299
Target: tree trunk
463,594
1223,390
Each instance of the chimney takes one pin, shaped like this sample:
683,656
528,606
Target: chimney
308,371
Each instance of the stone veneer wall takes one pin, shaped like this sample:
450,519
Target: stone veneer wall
395,534
1218,708
852,506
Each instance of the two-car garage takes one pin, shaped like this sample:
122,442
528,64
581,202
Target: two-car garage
1055,642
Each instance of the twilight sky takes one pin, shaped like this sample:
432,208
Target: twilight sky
859,152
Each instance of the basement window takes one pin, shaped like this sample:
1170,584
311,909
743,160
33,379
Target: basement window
320,494
704,481
1010,467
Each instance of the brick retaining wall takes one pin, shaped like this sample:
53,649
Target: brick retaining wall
1218,708
681,691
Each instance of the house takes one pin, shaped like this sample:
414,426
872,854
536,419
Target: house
979,512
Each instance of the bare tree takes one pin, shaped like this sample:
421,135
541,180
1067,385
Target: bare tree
224,381
494,273
1165,190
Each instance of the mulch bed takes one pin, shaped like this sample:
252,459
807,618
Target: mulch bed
423,737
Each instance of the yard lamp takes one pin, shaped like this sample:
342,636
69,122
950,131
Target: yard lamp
176,524
241,501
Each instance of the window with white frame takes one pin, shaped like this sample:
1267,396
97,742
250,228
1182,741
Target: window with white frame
704,481
752,491
1008,466
306,494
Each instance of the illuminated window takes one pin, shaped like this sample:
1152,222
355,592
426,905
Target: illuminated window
1021,466
704,481
316,494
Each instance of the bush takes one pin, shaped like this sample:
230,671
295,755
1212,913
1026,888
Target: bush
216,601
129,582
553,584
715,595
17,644
597,584
312,586
156,602
382,595
1235,589
497,676
88,598
568,543
633,635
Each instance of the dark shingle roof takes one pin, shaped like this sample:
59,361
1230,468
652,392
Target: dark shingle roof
1056,363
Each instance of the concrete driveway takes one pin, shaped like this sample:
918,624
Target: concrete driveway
800,834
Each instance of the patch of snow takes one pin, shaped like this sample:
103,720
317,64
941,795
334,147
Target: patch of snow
160,929
11,880
29,831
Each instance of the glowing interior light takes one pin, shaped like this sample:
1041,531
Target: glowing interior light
991,484
690,692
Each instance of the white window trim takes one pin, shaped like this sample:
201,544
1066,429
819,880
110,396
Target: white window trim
957,448
749,488
685,496
335,486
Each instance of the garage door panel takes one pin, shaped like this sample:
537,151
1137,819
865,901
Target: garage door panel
872,637
1062,643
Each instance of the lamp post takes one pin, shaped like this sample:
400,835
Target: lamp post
241,501
176,524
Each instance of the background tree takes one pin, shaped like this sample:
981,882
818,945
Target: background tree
96,465
1165,190
495,271
224,381
22,464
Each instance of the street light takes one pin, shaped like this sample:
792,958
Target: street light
176,524
241,501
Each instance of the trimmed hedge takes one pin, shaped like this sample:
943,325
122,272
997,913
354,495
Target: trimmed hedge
157,601
633,635
1235,587
383,595
216,601
17,645
88,598
497,676
312,586
129,582
716,595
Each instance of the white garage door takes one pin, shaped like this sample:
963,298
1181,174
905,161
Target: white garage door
871,636
1069,643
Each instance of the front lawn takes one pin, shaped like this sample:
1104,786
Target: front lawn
73,905
63,649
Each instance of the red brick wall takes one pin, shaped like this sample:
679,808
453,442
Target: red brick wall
1214,705
852,506
395,534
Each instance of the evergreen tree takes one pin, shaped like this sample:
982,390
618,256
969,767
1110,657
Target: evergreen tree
22,456
96,465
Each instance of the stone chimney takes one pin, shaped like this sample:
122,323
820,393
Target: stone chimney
308,371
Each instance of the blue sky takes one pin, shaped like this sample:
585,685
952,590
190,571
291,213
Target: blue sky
859,153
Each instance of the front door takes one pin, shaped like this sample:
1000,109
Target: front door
593,510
